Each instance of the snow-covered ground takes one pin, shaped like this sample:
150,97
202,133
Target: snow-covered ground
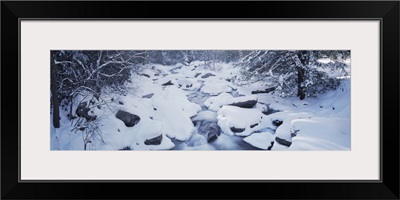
195,108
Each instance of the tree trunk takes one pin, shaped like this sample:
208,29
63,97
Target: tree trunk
54,95
300,79
300,61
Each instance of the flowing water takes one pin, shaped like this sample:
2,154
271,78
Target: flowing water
198,141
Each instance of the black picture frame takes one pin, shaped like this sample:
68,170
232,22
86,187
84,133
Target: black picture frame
385,11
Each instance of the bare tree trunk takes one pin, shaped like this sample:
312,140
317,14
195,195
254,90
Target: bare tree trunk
300,79
70,108
300,76
54,95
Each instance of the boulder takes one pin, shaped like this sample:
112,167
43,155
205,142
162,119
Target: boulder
167,83
253,125
283,142
245,104
127,148
148,95
210,130
277,123
154,141
129,119
207,75
270,147
83,111
146,75
213,132
268,90
237,130
184,83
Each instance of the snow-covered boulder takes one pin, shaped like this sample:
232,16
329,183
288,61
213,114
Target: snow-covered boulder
215,103
205,115
145,75
150,136
184,83
207,75
267,90
263,140
283,132
83,111
174,110
129,119
244,104
188,84
148,95
241,121
216,86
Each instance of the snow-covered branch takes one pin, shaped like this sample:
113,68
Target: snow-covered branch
62,62
84,88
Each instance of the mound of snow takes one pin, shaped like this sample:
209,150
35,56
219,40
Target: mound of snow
284,130
205,115
261,140
215,86
174,109
215,103
115,135
188,84
246,89
148,130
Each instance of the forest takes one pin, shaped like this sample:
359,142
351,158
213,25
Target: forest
200,100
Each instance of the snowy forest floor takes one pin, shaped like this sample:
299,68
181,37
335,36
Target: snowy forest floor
197,108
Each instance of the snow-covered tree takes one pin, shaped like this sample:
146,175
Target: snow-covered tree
90,71
294,72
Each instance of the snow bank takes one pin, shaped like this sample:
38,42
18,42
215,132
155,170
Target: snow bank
215,103
336,130
314,144
260,140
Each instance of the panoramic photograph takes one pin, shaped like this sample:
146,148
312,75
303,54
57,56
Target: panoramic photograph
139,100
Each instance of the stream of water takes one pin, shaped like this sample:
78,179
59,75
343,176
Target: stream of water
199,140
